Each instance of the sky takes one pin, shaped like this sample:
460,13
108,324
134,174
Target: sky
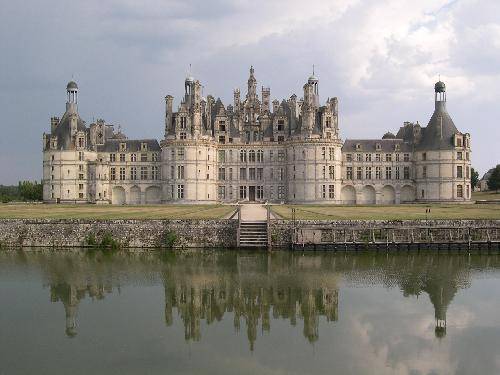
381,59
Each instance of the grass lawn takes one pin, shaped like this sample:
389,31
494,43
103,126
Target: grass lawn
486,195
399,212
37,211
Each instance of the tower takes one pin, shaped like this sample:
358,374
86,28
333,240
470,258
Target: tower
252,86
72,94
313,80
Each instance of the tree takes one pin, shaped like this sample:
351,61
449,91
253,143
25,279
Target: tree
31,191
494,180
474,178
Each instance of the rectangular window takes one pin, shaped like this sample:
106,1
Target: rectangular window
230,176
260,192
281,192
368,173
349,173
323,153
222,156
331,172
243,192
467,172
243,173
459,155
155,172
424,172
281,139
133,157
323,191
144,173
359,173
260,156
271,155
122,173
460,191
397,173
359,157
155,157
397,157
144,157
378,173
222,126
180,172
271,192
251,173
388,173
281,155
243,156
180,154
251,156
378,157
112,157
182,135
331,153
222,139
113,173
222,174
368,157
221,192
260,173
388,157
323,172
406,157
406,173
281,174
348,157
331,191
424,156
80,187
180,191
133,173
459,171
122,157
80,156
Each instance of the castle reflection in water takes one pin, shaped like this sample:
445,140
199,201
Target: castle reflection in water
254,289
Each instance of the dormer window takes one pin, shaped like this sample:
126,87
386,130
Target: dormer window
222,126
182,135
397,147
328,122
378,146
358,146
281,125
81,142
123,147
144,146
459,142
183,122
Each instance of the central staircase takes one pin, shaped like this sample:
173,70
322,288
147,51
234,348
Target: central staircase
253,234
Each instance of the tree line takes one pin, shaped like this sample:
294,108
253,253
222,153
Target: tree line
24,191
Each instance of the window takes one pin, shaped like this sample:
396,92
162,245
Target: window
222,156
331,172
281,139
378,146
80,142
424,156
122,173
281,192
378,173
221,192
424,172
323,153
368,157
123,147
331,191
459,171
406,173
397,157
183,122
80,195
172,172
133,157
144,146
251,156
260,173
122,157
467,172
80,156
251,173
459,155
349,173
155,157
112,174
406,157
243,192
230,177
243,156
133,173
180,191
182,135
155,172
243,173
359,173
180,153
260,156
222,174
281,174
459,142
281,125
271,155
260,192
331,153
222,126
359,157
144,173
368,173
256,136
466,156
460,191
323,191
388,173
388,157
172,154
80,186
328,122
271,173
112,157
397,173
348,157
180,172
80,168
281,155
222,139
378,157
144,157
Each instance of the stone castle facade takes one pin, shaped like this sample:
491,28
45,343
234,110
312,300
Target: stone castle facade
254,150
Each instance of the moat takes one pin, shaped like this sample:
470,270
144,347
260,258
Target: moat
227,312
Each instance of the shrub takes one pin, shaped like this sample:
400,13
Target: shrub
169,239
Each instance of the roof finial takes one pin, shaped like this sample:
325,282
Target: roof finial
313,69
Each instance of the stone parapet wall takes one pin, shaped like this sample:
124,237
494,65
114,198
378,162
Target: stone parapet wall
128,233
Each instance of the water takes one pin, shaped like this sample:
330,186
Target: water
227,312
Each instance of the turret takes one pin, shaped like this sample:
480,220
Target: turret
252,86
169,100
72,94
266,94
236,95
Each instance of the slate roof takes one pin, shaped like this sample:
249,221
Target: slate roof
439,132
369,145
133,145
63,131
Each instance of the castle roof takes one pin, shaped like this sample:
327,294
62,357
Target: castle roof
370,145
439,132
133,145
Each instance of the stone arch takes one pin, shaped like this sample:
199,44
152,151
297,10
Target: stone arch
118,196
407,194
387,195
135,195
367,195
348,195
153,195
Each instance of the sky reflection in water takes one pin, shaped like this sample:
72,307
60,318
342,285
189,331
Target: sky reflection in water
224,312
